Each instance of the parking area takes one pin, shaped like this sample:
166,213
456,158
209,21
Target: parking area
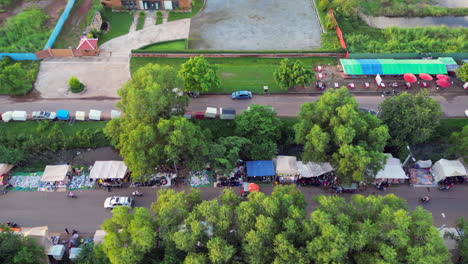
255,25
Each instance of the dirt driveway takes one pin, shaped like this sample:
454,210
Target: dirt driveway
255,25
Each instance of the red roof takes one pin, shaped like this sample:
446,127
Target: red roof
87,44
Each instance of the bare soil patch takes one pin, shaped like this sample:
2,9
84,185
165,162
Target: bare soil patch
53,8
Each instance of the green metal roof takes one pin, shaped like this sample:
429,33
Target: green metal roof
391,66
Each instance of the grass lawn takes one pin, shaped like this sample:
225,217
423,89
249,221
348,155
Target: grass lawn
170,45
238,73
141,21
196,6
119,23
159,18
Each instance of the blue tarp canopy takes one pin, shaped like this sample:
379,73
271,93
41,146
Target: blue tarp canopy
260,168
63,114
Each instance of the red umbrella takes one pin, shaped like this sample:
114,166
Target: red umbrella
425,76
443,83
443,77
411,78
253,187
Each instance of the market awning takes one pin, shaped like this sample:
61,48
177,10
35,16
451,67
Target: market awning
286,166
447,168
312,169
113,169
391,66
5,168
55,173
260,168
392,170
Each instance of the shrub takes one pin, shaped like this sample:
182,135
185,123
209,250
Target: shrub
75,85
323,5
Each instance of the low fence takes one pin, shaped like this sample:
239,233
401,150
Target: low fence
456,56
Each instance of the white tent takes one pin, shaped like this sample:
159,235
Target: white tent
312,169
94,114
113,169
115,114
55,173
424,164
5,168
80,115
99,236
392,170
19,115
6,117
40,234
447,168
286,166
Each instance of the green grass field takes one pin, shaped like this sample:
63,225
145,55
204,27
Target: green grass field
31,127
159,18
141,21
238,73
196,6
119,23
172,45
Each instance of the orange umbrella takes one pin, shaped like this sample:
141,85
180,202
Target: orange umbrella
411,78
443,83
443,77
425,76
253,187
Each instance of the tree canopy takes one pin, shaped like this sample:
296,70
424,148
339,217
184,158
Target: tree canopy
261,126
273,229
146,99
459,141
334,130
291,73
411,118
18,249
199,75
462,72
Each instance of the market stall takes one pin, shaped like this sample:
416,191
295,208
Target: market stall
109,173
260,170
310,173
201,178
4,170
444,169
392,171
55,177
286,169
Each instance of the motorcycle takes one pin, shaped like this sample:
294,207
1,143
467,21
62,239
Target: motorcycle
425,199
380,187
137,193
12,225
71,195
446,188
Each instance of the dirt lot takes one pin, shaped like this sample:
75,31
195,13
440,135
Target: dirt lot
52,8
255,25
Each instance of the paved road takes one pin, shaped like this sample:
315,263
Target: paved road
286,105
86,213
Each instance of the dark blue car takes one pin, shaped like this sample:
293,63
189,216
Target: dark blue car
241,95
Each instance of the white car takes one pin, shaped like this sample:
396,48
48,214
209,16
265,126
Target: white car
40,115
115,201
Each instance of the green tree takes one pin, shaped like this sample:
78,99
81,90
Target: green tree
323,5
18,249
462,240
345,7
75,85
92,254
14,79
330,22
411,119
224,154
129,236
11,156
261,126
462,72
290,74
459,141
332,129
147,98
199,75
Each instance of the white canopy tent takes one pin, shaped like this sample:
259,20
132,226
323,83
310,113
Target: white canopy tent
5,168
94,115
447,168
312,169
80,115
40,234
99,236
286,166
55,173
112,169
392,169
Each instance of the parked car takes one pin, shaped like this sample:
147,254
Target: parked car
115,201
40,115
368,111
241,95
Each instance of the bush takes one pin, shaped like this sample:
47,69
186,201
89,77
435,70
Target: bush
323,5
159,18
75,85
17,78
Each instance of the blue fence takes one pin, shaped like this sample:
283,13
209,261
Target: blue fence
58,27
19,56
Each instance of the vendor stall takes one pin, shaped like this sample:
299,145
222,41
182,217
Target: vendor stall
110,173
392,171
313,169
4,170
286,169
56,176
443,169
260,170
